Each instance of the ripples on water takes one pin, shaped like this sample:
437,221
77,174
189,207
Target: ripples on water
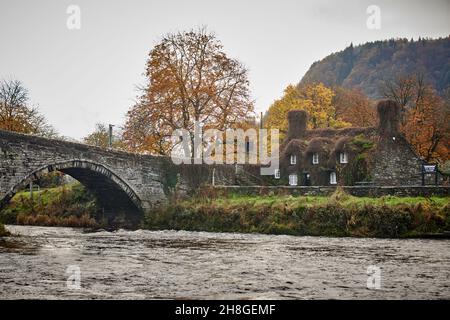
200,265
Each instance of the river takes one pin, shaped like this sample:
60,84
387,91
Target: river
200,265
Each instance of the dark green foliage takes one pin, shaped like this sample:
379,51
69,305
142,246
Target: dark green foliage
348,58
363,143
385,221
170,177
367,66
360,150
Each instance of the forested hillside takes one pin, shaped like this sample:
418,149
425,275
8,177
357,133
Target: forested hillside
368,66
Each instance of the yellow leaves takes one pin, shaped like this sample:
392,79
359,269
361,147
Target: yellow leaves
190,79
315,99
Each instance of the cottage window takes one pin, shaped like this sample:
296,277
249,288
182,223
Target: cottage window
292,179
293,159
277,174
333,178
343,157
315,158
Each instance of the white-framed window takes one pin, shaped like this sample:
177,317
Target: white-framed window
343,157
277,174
333,179
292,179
315,158
293,159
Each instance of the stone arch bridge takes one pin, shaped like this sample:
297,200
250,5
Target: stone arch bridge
121,182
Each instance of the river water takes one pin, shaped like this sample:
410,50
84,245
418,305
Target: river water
200,265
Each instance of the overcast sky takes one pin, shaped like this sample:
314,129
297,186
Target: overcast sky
80,77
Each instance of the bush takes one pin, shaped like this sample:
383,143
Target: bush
70,206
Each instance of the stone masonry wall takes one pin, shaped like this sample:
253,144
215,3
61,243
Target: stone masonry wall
396,164
360,191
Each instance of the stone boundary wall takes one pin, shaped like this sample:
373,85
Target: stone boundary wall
360,191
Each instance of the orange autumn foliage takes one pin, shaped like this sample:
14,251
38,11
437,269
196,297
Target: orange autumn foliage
427,128
425,116
190,79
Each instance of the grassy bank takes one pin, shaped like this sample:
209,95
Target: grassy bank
69,205
338,215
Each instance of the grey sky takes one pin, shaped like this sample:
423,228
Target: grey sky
80,77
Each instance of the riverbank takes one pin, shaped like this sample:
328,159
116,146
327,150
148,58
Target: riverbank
66,206
340,215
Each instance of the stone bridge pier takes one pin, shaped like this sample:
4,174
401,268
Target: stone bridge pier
121,182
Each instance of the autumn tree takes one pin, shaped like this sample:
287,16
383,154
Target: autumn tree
427,127
405,90
354,107
425,116
16,112
100,137
190,79
276,115
316,99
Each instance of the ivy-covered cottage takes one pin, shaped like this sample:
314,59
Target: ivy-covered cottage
350,156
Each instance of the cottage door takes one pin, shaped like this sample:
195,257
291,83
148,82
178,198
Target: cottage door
306,179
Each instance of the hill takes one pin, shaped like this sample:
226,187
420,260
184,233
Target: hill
367,66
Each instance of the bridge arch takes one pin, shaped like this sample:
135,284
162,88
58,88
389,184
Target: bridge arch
112,192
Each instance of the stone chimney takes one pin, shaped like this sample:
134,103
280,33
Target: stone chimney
389,118
297,124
